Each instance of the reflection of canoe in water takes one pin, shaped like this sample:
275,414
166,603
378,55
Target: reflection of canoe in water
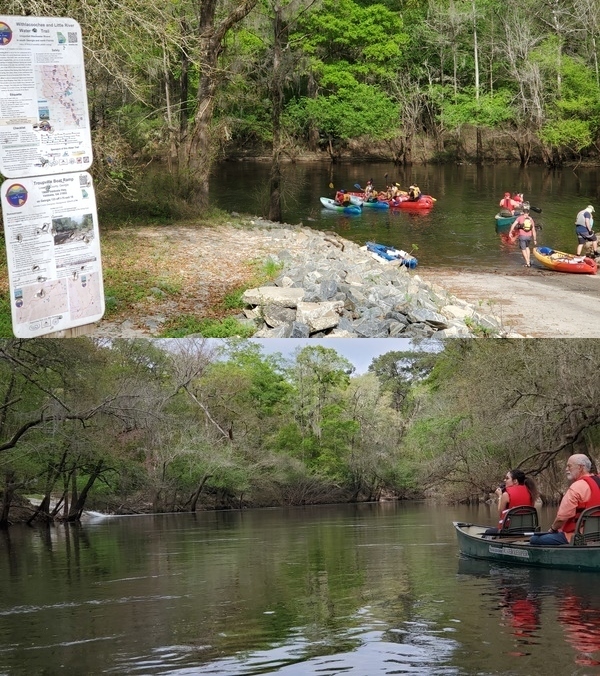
564,262
389,253
516,550
330,204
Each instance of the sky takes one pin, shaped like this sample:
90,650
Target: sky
358,351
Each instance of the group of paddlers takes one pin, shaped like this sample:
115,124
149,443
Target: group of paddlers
391,193
525,227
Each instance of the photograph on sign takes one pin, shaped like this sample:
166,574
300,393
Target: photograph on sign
44,125
53,253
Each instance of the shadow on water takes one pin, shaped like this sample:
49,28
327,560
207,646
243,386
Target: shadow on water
458,232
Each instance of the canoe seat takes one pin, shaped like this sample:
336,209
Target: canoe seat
522,519
587,530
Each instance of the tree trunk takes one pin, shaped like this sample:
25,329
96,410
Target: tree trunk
279,34
78,504
196,495
9,491
313,132
198,152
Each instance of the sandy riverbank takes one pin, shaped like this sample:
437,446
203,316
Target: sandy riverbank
533,302
530,302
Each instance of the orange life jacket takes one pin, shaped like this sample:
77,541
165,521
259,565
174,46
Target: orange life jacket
593,481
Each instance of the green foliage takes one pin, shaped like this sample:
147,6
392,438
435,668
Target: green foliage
186,325
573,134
492,110
361,110
5,318
368,39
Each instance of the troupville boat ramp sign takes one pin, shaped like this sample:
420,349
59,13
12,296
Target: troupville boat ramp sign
48,201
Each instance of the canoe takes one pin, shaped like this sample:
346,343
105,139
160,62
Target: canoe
330,204
424,202
389,253
564,262
504,221
370,204
516,550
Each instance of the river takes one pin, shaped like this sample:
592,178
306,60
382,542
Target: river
360,590
459,232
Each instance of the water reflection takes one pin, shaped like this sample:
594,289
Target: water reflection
530,601
364,589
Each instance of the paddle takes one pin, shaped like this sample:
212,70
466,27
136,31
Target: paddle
536,209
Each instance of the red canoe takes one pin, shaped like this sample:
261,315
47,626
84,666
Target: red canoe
403,202
424,202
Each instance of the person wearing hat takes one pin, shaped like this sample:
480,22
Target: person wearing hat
508,204
584,223
525,226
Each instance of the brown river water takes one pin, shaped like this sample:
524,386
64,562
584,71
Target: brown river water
361,590
459,232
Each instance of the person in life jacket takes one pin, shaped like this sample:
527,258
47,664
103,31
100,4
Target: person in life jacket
414,193
524,225
342,198
584,223
583,492
517,490
507,203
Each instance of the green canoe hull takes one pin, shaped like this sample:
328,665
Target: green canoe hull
518,552
504,221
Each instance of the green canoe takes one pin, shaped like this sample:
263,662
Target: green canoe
504,221
516,550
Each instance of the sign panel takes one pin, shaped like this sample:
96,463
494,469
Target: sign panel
44,125
53,250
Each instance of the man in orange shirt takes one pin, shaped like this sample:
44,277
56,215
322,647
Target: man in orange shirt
583,492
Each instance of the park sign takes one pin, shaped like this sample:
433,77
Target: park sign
53,252
44,123
48,200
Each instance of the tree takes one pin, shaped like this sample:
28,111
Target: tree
199,150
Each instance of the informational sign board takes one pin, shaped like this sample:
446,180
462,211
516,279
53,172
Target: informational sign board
44,122
53,251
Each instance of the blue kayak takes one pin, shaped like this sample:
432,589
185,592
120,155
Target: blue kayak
332,204
372,203
389,253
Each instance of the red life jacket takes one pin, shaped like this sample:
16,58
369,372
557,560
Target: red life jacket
593,481
507,203
518,496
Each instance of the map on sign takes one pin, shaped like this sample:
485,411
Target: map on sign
44,125
63,89
53,250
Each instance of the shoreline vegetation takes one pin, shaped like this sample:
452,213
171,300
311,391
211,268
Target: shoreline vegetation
128,427
411,82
